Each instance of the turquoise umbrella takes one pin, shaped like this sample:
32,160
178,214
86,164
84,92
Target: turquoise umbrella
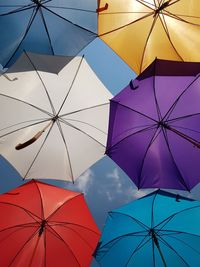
160,229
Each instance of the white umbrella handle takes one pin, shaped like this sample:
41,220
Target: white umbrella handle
33,139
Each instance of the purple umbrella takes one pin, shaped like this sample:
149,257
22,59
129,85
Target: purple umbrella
154,127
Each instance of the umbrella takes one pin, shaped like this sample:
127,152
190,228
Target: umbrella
43,225
56,27
154,133
141,30
52,125
160,229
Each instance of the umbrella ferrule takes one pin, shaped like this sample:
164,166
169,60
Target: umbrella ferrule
37,2
154,237
163,124
54,119
42,227
160,8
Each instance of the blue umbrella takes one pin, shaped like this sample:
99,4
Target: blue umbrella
160,229
56,27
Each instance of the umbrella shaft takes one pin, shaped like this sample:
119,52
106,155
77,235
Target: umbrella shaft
155,240
189,139
161,254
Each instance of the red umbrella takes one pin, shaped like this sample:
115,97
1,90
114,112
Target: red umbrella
45,226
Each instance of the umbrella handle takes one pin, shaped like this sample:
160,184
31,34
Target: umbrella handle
100,9
155,240
33,139
8,78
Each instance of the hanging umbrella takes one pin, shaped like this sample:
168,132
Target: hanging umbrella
52,125
141,30
154,133
161,229
56,27
43,225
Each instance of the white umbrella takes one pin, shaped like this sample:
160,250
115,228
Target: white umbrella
53,119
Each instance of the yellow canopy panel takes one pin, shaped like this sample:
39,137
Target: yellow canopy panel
141,30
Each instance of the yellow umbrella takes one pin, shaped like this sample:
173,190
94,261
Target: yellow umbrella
141,30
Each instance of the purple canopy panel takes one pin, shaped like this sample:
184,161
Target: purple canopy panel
154,127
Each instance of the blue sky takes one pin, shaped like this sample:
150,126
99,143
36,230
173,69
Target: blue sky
105,185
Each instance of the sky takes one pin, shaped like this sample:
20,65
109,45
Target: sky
104,184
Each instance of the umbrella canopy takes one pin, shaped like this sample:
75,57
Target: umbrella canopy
52,125
141,30
43,225
154,128
161,229
56,27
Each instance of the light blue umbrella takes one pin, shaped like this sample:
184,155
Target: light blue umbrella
160,229
56,27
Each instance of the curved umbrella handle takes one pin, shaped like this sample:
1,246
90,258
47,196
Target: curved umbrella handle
33,139
100,9
29,142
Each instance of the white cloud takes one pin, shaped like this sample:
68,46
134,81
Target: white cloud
114,174
84,182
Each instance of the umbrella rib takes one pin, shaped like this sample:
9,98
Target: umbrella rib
126,25
183,117
83,239
178,232
74,224
19,129
138,132
154,90
146,42
31,165
115,240
140,245
180,177
66,149
21,8
16,124
170,247
136,111
20,250
89,124
83,109
174,16
45,249
47,32
143,3
72,8
167,115
74,24
33,15
187,16
165,27
29,104
155,135
44,86
183,242
134,219
71,85
55,234
123,12
57,209
173,215
152,209
19,226
81,131
41,200
30,213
